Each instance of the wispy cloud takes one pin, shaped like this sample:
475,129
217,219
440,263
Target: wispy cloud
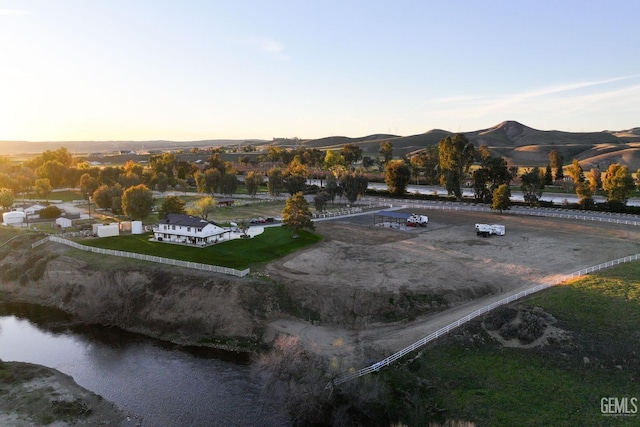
267,46
13,12
568,99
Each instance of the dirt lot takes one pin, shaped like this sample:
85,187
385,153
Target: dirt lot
446,258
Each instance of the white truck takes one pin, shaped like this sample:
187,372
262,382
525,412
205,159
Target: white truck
486,230
416,220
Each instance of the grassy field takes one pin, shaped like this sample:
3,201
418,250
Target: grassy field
274,243
469,376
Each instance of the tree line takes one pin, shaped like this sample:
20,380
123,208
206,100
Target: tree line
343,173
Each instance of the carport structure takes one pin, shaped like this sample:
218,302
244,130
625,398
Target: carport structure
392,218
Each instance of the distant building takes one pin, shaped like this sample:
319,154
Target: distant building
187,229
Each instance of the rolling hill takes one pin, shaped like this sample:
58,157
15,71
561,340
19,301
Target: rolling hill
520,145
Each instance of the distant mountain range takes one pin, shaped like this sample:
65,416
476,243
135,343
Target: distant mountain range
518,144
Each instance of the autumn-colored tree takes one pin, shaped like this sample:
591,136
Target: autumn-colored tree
296,214
556,161
88,184
6,198
43,187
252,181
595,179
501,198
202,207
385,152
618,183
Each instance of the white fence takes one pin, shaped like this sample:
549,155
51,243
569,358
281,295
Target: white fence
442,331
618,218
150,258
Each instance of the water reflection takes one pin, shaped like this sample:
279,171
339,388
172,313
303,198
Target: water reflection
160,383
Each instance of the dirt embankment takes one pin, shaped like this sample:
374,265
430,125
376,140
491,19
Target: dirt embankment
174,304
34,395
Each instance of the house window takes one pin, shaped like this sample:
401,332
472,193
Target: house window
188,228
173,227
199,230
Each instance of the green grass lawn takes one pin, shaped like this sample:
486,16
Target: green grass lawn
469,376
274,243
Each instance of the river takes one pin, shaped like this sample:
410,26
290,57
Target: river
156,383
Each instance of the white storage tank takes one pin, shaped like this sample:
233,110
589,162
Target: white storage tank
108,230
13,217
136,227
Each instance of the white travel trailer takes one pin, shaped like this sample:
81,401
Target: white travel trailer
486,230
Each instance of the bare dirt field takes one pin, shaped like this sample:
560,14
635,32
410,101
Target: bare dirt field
447,259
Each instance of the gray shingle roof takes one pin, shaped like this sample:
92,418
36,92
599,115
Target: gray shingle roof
184,220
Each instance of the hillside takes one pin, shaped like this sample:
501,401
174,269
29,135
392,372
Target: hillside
519,144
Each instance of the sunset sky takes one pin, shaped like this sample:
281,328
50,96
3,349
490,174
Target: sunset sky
192,70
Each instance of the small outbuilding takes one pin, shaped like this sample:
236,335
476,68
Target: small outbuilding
136,227
13,218
63,222
225,201
106,230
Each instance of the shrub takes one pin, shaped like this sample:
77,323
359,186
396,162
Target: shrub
50,212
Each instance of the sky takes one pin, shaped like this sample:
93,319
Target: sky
185,70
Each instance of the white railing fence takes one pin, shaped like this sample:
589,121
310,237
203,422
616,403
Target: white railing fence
150,258
442,331
627,219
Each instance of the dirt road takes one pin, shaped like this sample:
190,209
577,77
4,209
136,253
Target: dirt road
446,258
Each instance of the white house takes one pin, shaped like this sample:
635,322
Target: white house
180,228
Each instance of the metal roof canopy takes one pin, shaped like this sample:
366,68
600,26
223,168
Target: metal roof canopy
392,214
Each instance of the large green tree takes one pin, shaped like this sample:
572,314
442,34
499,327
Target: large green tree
88,184
426,164
397,177
252,181
275,181
137,202
456,155
104,196
556,161
171,204
296,214
532,185
351,153
228,183
618,183
43,188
